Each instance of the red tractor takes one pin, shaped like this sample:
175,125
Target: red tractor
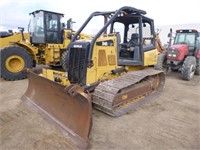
183,55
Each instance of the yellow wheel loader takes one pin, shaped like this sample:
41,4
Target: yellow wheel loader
44,44
109,72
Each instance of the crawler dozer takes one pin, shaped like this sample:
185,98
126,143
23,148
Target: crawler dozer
45,43
109,72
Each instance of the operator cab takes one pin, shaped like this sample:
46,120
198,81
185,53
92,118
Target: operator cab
45,27
134,32
136,37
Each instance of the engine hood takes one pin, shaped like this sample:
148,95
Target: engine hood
180,51
179,47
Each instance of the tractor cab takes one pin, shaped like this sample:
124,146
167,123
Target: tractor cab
189,38
45,27
184,54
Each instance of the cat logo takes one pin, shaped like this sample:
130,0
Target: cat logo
77,46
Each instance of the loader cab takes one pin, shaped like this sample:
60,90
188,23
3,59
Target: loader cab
136,37
46,27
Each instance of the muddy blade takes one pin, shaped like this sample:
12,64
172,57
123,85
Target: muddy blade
67,107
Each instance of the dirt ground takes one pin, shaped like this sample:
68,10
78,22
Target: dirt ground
171,121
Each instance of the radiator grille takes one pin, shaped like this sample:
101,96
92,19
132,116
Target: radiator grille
77,66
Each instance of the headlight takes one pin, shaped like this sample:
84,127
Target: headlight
170,55
174,55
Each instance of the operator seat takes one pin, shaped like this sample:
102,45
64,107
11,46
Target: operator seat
127,49
134,40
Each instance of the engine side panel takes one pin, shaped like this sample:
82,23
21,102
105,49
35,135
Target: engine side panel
150,57
104,59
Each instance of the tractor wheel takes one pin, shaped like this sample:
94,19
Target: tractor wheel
160,62
188,68
13,60
197,71
64,61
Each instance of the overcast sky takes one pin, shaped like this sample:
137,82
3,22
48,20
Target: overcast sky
15,13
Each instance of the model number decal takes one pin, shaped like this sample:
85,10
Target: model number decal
106,43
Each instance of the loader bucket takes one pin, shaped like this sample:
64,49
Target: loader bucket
69,108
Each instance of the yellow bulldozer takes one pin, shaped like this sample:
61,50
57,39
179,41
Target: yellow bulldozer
109,72
45,43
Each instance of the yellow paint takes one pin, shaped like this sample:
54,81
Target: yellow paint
29,47
99,71
104,60
49,53
53,74
14,63
150,57
132,101
112,59
52,53
125,96
16,37
102,72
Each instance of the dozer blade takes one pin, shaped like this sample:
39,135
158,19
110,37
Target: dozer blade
68,107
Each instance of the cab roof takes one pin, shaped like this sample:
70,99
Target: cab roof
46,11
